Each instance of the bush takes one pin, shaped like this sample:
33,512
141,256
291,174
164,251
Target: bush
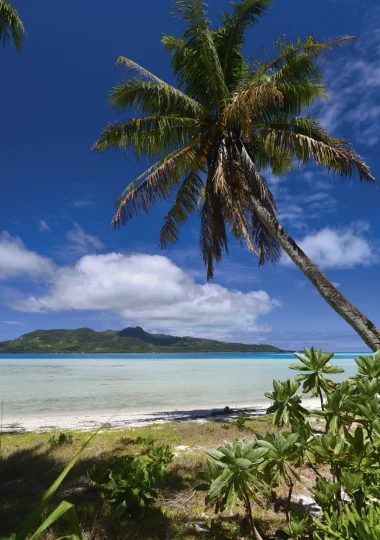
63,438
346,461
130,484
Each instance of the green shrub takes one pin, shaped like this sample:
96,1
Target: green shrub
234,476
130,484
345,458
63,438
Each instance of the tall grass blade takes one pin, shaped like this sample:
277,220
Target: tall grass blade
63,508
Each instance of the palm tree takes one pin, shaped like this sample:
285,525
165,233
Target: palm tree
11,27
316,365
228,121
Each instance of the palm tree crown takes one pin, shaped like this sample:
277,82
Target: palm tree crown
11,27
228,121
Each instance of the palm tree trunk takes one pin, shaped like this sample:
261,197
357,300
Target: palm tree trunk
359,322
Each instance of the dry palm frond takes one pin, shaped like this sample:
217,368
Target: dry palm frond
249,102
213,233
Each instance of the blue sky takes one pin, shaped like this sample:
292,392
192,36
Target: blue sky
61,266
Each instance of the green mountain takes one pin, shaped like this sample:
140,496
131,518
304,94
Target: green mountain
129,340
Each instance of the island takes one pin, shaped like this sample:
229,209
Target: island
129,340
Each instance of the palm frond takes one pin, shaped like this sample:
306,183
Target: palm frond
306,141
141,72
309,47
151,98
11,26
249,102
213,234
230,37
150,135
268,248
194,55
295,71
155,184
185,203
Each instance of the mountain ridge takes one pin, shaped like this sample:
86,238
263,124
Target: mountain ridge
128,340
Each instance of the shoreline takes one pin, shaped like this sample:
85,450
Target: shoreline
87,421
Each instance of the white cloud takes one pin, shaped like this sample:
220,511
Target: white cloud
43,225
16,260
152,291
353,85
83,242
11,322
339,248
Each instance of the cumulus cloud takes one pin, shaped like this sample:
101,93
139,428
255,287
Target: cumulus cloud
152,291
339,248
83,242
16,260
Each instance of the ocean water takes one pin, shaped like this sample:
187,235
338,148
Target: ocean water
71,384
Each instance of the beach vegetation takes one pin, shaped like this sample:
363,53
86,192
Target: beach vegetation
62,438
287,407
316,365
234,476
229,120
130,484
345,456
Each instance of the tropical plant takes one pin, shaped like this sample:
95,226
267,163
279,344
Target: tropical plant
11,27
229,121
350,524
316,364
287,408
345,460
63,438
338,409
299,525
369,366
130,484
234,475
279,465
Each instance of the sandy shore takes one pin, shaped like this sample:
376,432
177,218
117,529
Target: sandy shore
120,419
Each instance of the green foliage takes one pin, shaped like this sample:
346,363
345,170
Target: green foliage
345,459
225,121
337,410
369,366
316,365
299,525
234,475
11,26
63,438
240,422
350,524
287,408
130,484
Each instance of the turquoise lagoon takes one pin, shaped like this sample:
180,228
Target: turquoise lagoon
72,384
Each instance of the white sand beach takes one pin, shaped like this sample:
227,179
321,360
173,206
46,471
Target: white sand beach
87,421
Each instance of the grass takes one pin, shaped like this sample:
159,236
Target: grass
29,462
